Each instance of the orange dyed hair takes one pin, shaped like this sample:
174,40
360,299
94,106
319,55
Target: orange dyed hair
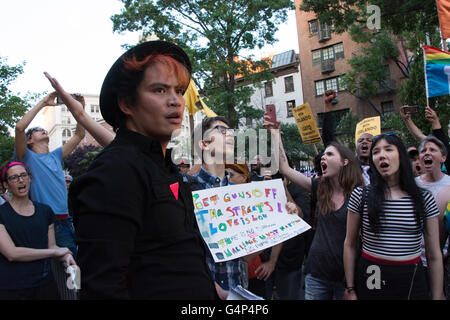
176,68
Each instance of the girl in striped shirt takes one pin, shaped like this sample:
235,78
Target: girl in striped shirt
391,214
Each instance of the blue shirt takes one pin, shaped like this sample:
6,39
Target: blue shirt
47,184
227,274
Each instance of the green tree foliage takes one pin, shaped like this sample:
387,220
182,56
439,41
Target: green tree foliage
397,16
12,107
79,160
296,151
404,28
215,34
6,148
346,129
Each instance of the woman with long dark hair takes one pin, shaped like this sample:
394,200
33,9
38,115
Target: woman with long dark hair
391,214
340,175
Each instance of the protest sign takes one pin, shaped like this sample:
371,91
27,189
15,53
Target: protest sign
240,219
306,124
368,125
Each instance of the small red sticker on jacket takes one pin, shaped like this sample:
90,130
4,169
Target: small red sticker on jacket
174,188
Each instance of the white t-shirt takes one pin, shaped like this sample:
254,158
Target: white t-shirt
434,188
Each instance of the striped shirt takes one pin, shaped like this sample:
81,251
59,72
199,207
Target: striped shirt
399,234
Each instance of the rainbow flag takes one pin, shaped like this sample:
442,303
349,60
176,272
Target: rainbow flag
437,71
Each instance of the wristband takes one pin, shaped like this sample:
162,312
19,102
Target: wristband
350,289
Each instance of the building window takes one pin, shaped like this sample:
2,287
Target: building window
332,84
316,57
328,53
289,106
66,133
320,89
387,108
335,83
339,51
334,52
313,27
268,90
289,84
95,108
65,120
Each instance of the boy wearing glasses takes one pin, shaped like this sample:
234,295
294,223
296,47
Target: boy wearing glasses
214,144
48,187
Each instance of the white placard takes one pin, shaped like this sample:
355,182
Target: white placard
241,219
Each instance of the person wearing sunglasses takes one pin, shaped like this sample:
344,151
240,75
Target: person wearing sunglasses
27,241
49,187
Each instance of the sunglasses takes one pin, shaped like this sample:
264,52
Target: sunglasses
385,134
36,129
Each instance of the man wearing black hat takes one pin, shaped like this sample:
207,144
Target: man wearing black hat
134,215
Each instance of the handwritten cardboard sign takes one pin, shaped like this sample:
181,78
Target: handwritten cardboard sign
306,124
240,219
368,125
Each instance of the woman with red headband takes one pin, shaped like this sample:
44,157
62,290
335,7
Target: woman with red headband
27,241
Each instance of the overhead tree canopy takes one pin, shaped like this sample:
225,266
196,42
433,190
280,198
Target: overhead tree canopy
12,107
215,35
404,27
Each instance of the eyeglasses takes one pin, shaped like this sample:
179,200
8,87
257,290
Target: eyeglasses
30,131
223,129
15,178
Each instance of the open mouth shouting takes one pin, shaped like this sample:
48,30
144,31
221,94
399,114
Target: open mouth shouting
365,148
384,166
324,167
22,189
428,162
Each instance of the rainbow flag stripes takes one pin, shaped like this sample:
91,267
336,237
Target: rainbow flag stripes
437,71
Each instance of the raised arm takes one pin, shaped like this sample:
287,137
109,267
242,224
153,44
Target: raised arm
328,126
293,175
415,131
72,143
433,118
98,132
20,141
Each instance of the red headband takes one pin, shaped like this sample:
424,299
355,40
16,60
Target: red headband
9,165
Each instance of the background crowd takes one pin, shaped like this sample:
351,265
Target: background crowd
128,223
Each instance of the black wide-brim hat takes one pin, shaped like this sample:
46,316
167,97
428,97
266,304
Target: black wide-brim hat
108,94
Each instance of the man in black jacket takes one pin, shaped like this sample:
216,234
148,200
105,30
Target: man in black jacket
133,214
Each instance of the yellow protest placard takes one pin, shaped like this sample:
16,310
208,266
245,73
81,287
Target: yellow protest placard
368,125
306,124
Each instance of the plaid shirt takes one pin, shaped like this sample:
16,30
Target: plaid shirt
227,274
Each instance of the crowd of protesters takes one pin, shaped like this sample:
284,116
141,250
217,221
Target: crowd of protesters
380,220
